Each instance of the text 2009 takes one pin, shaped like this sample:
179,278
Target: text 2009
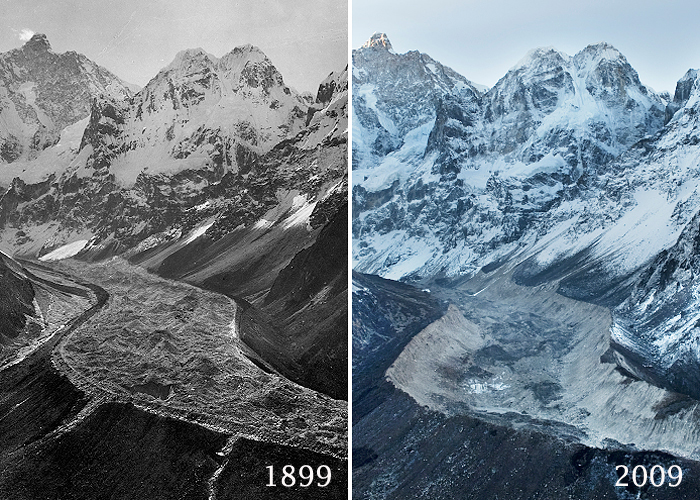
656,476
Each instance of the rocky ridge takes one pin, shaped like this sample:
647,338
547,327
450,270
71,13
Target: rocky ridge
569,172
42,93
216,172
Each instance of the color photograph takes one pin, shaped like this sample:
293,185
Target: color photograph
525,217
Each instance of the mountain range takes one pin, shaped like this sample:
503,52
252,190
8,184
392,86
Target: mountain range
553,217
206,299
215,172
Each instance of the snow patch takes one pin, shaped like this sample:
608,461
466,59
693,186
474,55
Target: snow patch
263,224
198,232
65,251
476,387
301,216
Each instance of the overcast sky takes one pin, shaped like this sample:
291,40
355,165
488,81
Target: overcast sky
305,39
483,39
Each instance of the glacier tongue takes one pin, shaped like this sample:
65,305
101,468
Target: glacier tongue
569,170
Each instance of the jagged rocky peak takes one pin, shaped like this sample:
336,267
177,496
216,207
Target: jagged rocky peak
378,40
195,75
244,65
607,72
44,93
686,86
599,52
539,57
601,64
586,87
247,52
334,84
190,57
395,94
584,62
248,66
536,81
38,43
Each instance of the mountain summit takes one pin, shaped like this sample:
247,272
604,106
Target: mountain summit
37,43
430,148
42,93
379,40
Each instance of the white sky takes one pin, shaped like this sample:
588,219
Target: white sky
483,39
305,39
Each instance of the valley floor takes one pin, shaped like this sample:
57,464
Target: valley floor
533,357
506,394
148,393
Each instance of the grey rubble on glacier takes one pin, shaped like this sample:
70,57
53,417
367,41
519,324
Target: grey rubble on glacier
216,170
568,170
201,329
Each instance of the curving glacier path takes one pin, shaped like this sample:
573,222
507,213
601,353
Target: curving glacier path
533,358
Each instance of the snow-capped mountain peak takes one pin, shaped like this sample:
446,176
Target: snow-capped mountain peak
601,51
204,132
190,57
687,86
431,157
379,40
540,55
41,94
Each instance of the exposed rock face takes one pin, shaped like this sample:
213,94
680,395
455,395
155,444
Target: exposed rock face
569,176
16,296
42,92
397,94
215,172
656,332
448,179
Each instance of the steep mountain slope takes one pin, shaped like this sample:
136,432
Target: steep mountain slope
557,214
472,182
655,330
308,303
216,172
16,301
41,94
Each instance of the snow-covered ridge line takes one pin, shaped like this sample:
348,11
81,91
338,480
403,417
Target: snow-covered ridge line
458,178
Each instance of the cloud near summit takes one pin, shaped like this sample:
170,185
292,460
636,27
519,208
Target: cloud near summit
25,34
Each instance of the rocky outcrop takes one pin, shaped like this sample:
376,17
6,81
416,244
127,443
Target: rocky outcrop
42,92
449,179
16,301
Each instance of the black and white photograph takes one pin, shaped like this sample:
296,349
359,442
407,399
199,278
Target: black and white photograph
525,243
174,249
